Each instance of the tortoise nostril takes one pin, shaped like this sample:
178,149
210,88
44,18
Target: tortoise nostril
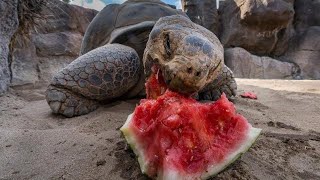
189,70
198,73
174,75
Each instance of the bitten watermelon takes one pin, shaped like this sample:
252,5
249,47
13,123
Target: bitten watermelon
176,137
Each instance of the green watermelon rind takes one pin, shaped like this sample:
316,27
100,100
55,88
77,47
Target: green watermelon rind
253,134
131,140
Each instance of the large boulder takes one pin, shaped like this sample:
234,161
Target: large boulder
51,44
8,26
245,65
306,14
305,51
262,27
59,17
265,15
58,43
202,12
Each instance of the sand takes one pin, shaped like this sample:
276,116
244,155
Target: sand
35,144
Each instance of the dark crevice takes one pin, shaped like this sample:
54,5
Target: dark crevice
38,72
10,54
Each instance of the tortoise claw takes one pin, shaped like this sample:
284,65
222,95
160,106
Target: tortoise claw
67,103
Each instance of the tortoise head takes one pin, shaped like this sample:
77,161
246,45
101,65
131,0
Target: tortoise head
188,55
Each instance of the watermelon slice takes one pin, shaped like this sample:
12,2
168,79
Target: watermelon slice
176,137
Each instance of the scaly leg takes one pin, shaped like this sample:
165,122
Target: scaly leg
225,83
103,74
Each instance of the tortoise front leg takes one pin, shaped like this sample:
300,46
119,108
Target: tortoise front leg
68,103
103,74
225,83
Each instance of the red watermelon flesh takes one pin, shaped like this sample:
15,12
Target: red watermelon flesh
155,85
176,137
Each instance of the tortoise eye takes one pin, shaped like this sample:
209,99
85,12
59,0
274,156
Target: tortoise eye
167,44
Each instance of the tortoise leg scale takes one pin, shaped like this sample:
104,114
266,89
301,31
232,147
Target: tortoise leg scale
103,74
225,83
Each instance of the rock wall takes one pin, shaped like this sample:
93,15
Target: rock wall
263,27
246,65
280,31
304,49
8,26
51,44
306,14
202,12
305,52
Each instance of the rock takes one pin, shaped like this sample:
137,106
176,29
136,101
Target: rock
305,52
52,43
245,65
262,27
265,15
47,67
29,68
57,44
306,14
24,65
8,25
202,12
59,17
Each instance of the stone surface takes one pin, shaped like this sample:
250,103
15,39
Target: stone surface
306,14
57,44
202,12
262,27
51,44
305,52
24,64
59,17
8,26
265,15
245,65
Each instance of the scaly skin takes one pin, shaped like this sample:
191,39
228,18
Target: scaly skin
102,74
224,83
68,103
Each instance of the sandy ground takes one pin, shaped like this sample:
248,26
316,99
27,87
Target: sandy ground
35,144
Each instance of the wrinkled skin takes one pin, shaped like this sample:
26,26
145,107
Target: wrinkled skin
189,56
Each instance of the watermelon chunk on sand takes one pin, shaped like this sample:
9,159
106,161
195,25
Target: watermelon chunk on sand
175,137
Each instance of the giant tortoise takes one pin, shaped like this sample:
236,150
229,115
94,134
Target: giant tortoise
119,52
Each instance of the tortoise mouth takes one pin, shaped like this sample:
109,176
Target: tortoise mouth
159,80
155,84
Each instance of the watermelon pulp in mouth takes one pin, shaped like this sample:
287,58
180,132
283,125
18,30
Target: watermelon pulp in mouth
155,85
176,137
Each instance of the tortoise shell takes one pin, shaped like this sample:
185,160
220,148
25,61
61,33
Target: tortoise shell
129,24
